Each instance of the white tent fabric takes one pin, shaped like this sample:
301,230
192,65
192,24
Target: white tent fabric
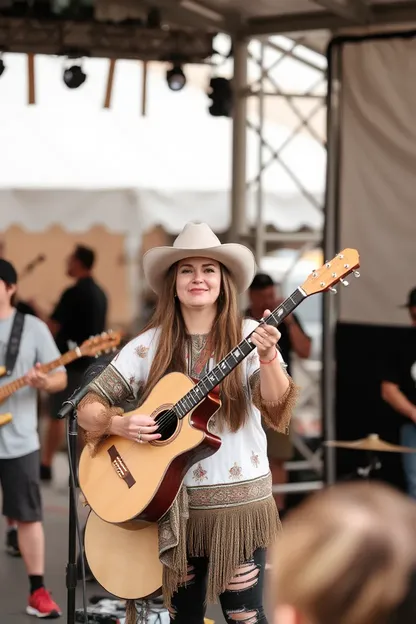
68,160
377,204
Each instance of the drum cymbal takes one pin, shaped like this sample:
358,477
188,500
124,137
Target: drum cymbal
370,443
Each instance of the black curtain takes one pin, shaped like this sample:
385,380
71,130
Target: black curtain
361,354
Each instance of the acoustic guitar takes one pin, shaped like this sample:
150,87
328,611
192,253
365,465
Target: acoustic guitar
125,481
95,346
124,559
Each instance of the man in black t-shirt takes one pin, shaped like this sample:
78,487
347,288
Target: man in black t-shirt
264,296
398,389
79,314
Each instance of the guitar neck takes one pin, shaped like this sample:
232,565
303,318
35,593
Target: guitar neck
205,385
10,388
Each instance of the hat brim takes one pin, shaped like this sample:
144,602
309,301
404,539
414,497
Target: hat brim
238,259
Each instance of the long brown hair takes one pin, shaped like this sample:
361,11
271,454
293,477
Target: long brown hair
226,333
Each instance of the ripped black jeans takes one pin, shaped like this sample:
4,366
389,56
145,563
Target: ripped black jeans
241,602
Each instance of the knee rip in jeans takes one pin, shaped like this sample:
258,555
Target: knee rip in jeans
245,577
247,617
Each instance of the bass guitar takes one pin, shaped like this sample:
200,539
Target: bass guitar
125,481
93,347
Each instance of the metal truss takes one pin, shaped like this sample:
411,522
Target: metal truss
269,154
95,39
267,85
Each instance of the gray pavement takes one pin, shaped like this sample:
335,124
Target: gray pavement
13,580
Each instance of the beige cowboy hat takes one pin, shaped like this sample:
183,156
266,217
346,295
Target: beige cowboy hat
197,240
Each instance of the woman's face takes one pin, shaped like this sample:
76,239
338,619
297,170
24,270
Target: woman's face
198,282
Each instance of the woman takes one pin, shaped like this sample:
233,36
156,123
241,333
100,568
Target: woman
347,556
225,516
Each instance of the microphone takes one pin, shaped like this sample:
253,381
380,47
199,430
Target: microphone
73,401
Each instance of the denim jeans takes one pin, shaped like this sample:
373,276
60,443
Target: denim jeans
408,438
242,601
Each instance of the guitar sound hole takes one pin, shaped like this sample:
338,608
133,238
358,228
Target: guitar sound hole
168,423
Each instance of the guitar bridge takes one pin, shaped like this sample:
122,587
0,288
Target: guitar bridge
120,467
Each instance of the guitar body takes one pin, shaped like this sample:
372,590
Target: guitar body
127,481
124,559
2,371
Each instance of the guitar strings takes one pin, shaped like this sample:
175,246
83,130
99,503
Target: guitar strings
166,419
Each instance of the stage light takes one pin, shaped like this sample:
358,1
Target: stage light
221,93
2,66
74,77
175,78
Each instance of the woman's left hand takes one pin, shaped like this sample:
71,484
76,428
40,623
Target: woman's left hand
265,337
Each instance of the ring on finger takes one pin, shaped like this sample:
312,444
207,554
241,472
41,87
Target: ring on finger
139,437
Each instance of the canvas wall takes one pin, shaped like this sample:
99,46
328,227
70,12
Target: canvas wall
376,213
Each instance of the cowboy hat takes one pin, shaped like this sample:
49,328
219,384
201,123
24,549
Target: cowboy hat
197,240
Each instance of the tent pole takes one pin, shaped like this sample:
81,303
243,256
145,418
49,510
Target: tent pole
239,141
330,311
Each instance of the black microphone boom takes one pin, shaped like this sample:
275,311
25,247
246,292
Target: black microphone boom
73,401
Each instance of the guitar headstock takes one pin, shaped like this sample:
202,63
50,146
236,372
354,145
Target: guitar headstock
332,272
103,343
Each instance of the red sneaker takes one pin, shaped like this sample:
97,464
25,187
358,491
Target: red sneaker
42,606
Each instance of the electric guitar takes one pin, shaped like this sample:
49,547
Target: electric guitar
126,481
95,346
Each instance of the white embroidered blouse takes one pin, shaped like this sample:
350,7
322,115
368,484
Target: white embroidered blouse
243,454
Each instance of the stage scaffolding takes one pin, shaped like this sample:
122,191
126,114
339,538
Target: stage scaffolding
263,87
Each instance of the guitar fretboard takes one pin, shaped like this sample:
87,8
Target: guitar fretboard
10,388
234,358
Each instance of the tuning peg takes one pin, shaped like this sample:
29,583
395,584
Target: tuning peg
344,282
356,274
333,290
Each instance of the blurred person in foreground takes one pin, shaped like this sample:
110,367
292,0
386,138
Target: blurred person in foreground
79,314
347,555
398,389
264,294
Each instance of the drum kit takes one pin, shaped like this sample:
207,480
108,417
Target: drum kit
373,445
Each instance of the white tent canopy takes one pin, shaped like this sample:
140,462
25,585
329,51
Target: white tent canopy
68,160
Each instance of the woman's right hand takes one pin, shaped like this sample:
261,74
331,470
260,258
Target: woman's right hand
138,427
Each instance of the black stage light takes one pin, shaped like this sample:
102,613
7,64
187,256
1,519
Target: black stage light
74,77
221,93
175,78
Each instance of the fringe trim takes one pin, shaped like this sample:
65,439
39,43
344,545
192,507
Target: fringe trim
103,421
276,414
172,545
229,537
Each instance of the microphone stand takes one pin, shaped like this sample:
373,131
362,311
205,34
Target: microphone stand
69,410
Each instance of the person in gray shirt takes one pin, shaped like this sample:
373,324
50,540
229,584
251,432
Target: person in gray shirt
19,440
